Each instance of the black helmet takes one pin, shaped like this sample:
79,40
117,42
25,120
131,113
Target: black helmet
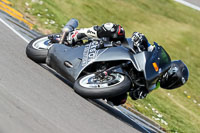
176,76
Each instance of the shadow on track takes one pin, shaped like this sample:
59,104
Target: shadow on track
103,105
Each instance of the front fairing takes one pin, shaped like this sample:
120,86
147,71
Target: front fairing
156,65
80,57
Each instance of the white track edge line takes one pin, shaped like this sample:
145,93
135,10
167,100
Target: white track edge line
132,120
11,28
188,4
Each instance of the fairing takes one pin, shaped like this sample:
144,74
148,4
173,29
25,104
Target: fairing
82,56
157,64
79,57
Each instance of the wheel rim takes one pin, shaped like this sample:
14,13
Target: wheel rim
42,43
90,81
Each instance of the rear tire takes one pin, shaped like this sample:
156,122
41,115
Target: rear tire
38,54
95,92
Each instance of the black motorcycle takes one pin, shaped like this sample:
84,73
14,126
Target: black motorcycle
99,68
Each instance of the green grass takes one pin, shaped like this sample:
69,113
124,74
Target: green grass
172,25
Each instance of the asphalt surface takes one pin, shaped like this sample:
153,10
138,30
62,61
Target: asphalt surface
195,2
35,100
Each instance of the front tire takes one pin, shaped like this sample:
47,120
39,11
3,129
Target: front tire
88,87
37,49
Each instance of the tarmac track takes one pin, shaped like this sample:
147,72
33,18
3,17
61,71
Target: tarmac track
33,100
195,2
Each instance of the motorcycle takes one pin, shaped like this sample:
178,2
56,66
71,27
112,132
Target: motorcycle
99,68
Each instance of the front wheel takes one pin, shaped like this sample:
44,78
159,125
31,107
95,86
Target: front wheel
89,86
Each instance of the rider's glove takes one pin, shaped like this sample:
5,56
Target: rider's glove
141,42
137,38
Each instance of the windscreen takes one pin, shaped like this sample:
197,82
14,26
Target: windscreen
158,63
164,58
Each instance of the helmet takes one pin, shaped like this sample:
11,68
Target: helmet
176,76
140,41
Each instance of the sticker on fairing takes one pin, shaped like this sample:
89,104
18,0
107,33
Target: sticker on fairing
155,66
89,53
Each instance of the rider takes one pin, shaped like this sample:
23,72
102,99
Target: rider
175,77
112,31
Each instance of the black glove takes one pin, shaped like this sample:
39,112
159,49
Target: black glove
140,41
137,38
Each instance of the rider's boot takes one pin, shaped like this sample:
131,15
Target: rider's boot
54,38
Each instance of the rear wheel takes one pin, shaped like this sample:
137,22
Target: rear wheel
37,49
90,86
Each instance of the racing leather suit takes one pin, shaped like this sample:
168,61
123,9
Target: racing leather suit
112,31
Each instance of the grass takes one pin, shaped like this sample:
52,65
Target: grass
172,25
